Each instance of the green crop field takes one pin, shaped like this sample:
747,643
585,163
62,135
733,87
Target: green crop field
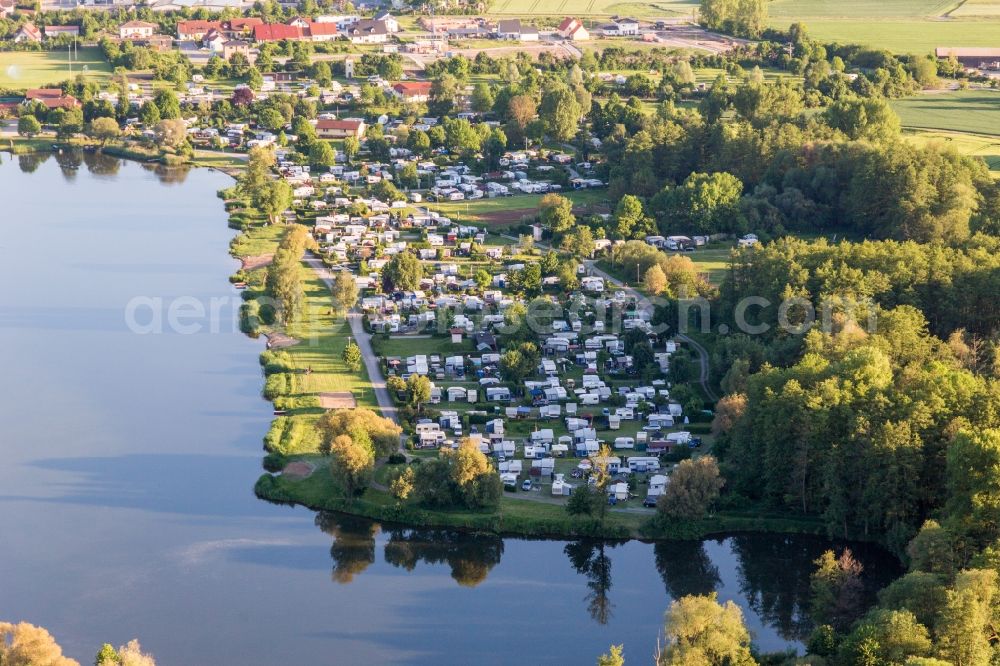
858,9
594,7
902,26
34,69
975,111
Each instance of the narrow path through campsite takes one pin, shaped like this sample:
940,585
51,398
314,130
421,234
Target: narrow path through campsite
703,378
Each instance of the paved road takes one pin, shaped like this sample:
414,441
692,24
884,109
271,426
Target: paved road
364,340
701,351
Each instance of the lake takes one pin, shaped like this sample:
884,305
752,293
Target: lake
129,458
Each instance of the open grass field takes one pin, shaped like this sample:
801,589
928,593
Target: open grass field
20,69
976,111
508,210
594,7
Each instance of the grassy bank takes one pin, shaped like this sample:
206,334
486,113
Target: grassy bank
514,517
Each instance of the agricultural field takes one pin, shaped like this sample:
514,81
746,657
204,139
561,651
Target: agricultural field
976,111
637,8
34,69
857,9
902,26
968,8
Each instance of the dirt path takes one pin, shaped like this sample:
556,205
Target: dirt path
701,351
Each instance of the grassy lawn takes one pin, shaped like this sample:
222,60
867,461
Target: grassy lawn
976,111
322,339
257,241
218,160
713,261
21,70
402,345
482,209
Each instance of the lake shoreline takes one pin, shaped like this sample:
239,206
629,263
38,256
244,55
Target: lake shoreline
516,518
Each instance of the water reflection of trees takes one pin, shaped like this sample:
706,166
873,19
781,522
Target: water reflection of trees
774,578
100,164
168,175
29,162
589,557
69,161
353,548
471,557
685,568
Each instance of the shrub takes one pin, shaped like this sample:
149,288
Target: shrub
396,459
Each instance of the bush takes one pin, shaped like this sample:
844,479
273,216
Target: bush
275,462
396,459
276,361
281,383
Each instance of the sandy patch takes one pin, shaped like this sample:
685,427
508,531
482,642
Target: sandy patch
255,262
280,341
298,469
339,400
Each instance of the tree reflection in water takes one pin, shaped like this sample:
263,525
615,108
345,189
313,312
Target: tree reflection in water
29,162
353,548
772,571
471,557
589,558
685,568
100,164
168,175
69,161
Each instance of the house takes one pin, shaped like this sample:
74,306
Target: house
136,30
368,31
52,98
622,27
412,91
657,484
233,46
332,128
27,33
7,7
513,29
57,30
298,29
573,30
391,24
195,30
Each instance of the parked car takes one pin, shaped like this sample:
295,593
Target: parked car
649,502
526,485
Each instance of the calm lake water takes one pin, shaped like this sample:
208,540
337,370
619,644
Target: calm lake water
128,462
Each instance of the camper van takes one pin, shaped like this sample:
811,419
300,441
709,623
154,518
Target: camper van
624,442
644,464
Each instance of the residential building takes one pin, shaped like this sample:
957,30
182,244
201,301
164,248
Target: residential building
136,30
333,128
515,30
573,29
412,91
27,33
368,31
56,30
52,98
